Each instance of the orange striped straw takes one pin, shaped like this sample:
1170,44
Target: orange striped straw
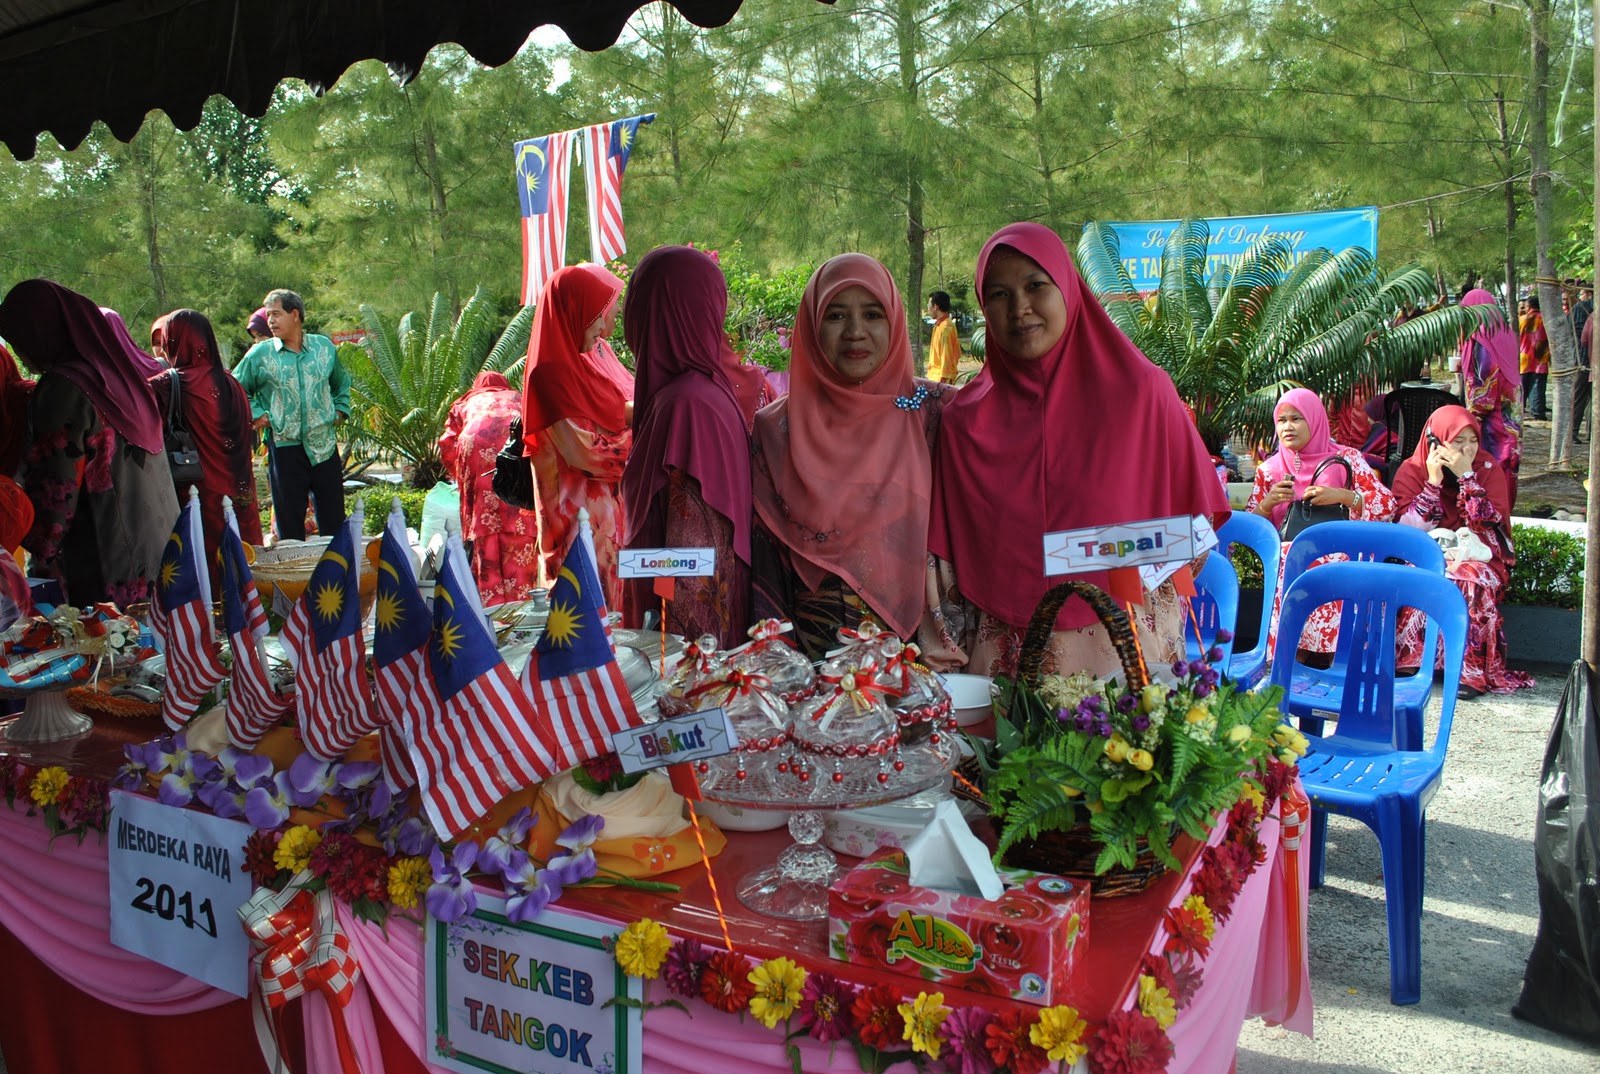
1133,625
716,900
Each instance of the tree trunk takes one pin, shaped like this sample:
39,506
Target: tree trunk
441,211
1511,203
1591,557
1557,323
150,217
911,133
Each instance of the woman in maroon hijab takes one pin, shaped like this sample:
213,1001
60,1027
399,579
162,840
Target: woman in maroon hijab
1067,425
1452,482
216,412
96,469
687,484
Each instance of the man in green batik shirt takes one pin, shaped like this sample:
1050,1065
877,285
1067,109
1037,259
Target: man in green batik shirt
297,386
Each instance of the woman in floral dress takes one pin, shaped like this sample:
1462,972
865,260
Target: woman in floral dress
1303,445
502,541
577,401
1456,484
1493,390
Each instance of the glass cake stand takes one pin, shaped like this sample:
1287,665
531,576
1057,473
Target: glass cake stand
796,887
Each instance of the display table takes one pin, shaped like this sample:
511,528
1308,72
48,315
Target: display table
69,995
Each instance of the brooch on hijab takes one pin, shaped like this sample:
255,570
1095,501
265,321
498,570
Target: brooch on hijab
913,402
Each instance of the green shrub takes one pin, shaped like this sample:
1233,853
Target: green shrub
1248,567
375,501
1549,568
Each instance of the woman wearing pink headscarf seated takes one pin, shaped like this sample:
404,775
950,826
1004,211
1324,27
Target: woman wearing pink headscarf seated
843,465
1304,444
1067,425
1452,482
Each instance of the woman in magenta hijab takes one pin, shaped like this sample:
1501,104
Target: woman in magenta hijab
1304,444
1067,425
843,465
1491,379
687,484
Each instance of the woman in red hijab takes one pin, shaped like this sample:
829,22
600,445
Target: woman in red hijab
502,541
688,480
1067,425
843,465
216,412
96,466
1451,483
577,406
1493,390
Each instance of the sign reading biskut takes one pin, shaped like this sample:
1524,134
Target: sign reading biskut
694,736
529,996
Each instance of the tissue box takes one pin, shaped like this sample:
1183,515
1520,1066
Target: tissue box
1024,944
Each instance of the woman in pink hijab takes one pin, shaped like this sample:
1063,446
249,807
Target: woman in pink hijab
842,470
1304,444
1492,381
1067,425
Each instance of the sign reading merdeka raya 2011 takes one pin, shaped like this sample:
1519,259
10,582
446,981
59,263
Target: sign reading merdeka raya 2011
535,997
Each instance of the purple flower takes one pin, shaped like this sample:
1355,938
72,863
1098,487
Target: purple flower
530,890
180,785
1197,667
1201,691
572,868
143,758
581,833
311,779
408,835
266,805
225,798
682,968
1224,635
825,1005
1210,676
1141,722
966,1031
1127,703
1064,715
502,853
451,896
1179,669
243,768
1214,654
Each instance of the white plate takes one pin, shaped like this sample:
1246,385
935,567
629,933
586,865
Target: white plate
969,697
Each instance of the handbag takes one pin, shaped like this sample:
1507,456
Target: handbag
1303,513
183,458
513,472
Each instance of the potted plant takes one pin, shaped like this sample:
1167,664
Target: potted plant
1544,596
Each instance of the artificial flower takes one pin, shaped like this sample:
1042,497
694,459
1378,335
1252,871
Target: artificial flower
1159,968
1157,1002
681,971
966,1031
1187,977
267,804
642,948
529,889
47,785
312,778
1130,1043
924,1015
1010,1044
452,896
259,853
1141,759
1196,905
351,870
408,879
1187,932
502,852
824,1009
778,983
294,849
1059,1034
876,1013
725,982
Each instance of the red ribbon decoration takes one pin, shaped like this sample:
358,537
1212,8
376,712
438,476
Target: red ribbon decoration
738,681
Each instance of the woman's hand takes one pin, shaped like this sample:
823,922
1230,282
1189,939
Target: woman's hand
1329,494
1279,493
1459,462
1436,462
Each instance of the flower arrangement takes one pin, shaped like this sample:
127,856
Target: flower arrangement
1136,766
68,804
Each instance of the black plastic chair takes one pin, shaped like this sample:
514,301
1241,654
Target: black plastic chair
1406,412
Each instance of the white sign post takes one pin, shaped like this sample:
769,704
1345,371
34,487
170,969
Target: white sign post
512,998
177,882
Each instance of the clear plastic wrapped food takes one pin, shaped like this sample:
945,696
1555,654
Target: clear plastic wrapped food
769,653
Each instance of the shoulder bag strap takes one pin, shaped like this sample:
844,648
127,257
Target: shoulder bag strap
1349,471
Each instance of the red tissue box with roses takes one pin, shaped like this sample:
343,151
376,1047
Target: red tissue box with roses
1023,944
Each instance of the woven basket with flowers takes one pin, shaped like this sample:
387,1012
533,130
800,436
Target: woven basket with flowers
1096,779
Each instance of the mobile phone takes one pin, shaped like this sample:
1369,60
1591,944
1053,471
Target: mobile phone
1434,441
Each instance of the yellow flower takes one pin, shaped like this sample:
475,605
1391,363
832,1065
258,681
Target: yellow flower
1289,757
294,849
642,948
1291,739
48,785
1197,714
1141,759
1240,734
1196,904
1255,795
1059,1032
408,878
924,1016
1157,1002
1117,748
1069,790
1152,697
778,983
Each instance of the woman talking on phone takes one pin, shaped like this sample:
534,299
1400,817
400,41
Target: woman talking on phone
1307,466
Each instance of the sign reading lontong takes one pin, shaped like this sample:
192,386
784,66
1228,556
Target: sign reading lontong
667,562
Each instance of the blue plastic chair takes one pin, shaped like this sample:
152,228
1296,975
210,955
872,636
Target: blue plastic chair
1316,693
1358,771
1257,534
1216,607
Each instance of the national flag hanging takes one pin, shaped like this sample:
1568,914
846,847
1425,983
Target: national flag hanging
323,639
180,613
401,629
573,673
254,704
606,148
479,736
543,165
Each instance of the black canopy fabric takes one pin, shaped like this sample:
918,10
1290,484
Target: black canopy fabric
66,63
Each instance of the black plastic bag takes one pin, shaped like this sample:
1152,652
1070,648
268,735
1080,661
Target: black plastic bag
1561,986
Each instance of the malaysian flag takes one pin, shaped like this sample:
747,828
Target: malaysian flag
479,737
401,629
323,639
180,613
573,673
254,704
606,148
542,167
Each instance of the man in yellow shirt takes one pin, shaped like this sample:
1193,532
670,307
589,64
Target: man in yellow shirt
944,352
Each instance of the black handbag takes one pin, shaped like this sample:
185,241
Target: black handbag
1304,513
513,472
183,459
